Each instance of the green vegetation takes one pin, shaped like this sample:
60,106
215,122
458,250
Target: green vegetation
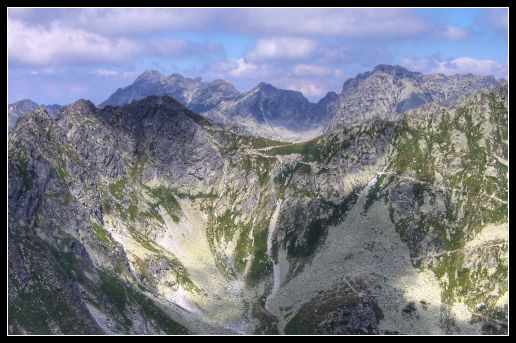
133,211
121,293
117,188
459,283
102,234
114,289
314,150
418,189
261,266
303,244
136,171
306,321
243,248
374,192
226,226
63,174
49,134
21,165
121,212
39,307
229,142
168,201
143,240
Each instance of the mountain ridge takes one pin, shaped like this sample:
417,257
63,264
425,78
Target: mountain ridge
385,91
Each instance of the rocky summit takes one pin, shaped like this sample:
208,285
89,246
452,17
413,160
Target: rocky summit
20,108
152,215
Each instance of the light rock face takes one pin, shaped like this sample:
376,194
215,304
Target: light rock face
20,108
389,91
151,219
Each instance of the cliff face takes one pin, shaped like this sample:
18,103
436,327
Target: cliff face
149,218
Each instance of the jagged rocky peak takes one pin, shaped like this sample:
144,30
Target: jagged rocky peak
24,104
388,91
195,94
22,107
266,87
396,70
150,75
81,106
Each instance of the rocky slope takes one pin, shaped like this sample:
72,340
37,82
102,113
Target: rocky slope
149,218
20,108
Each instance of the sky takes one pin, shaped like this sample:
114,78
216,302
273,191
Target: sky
60,55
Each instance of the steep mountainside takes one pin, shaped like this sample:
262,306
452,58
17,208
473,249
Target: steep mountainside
149,218
19,108
389,91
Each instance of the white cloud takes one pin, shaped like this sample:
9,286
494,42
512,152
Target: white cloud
57,45
459,65
309,88
233,68
179,47
123,21
464,65
315,70
104,72
358,22
454,32
242,68
281,48
345,22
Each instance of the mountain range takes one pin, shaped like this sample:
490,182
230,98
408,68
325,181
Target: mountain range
385,92
175,208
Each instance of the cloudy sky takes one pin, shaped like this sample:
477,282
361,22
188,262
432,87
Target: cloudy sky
61,55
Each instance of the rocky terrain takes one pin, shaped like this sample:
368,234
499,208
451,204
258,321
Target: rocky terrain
19,108
389,91
385,92
150,218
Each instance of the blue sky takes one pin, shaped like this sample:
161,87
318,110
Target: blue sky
62,55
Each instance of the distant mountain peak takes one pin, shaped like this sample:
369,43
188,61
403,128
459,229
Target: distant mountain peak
266,86
24,106
195,94
396,70
390,90
25,102
149,75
